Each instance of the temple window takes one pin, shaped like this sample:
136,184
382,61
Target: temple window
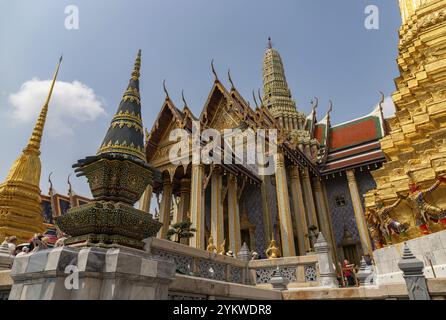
340,200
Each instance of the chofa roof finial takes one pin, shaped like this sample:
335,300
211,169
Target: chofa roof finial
184,100
330,107
255,100
165,90
314,103
213,70
230,79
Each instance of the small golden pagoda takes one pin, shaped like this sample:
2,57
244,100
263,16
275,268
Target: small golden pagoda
410,186
20,208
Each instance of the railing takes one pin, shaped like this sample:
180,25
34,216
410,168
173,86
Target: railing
199,263
296,270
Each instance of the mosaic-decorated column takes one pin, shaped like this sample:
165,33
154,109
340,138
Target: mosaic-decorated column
299,211
184,203
283,206
144,202
309,200
197,206
217,217
325,224
165,207
233,215
361,224
267,219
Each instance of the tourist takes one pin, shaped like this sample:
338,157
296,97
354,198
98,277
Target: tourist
11,242
348,273
25,251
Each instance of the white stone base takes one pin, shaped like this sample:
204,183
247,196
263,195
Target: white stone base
101,274
431,246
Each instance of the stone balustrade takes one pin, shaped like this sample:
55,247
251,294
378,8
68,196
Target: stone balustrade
299,271
199,263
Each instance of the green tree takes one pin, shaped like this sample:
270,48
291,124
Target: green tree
183,230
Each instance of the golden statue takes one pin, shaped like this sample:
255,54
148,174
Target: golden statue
273,251
374,226
388,225
211,247
424,211
222,249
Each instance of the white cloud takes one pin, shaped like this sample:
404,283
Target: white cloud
70,103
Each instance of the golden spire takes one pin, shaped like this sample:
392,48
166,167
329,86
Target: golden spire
20,199
36,137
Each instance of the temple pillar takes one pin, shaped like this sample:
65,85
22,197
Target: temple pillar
267,220
165,207
197,207
144,202
325,225
361,223
217,213
309,200
283,206
299,211
184,203
233,215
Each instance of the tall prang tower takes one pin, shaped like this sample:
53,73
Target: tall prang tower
20,208
278,100
415,146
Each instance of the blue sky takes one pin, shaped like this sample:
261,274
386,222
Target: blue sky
325,47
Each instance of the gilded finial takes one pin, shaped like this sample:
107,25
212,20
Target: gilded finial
36,137
270,44
255,100
213,70
165,90
272,252
137,66
230,79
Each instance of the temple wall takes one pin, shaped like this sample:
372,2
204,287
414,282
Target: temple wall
341,215
365,183
251,203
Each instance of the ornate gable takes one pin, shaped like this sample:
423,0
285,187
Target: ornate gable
168,119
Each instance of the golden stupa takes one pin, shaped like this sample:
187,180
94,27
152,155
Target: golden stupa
20,208
415,145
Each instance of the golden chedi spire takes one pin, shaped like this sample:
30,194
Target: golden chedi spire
415,146
20,209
